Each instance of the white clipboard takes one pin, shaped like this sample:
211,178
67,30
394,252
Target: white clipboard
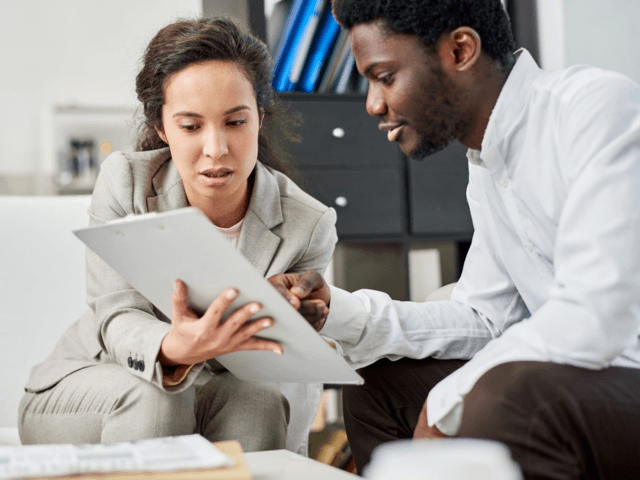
151,251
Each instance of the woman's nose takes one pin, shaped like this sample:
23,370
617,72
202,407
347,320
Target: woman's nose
215,145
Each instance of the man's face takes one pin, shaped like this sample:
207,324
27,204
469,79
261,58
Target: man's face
418,104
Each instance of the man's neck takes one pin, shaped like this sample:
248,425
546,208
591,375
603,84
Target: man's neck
486,98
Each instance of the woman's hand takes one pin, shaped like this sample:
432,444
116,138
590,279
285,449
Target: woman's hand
194,339
307,292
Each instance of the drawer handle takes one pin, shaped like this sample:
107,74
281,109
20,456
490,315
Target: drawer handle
338,132
341,201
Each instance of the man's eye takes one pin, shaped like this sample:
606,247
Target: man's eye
385,80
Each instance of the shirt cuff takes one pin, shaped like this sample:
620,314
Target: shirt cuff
347,317
444,408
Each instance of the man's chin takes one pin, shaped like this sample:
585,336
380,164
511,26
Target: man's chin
426,148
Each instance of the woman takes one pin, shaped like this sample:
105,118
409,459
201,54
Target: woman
124,371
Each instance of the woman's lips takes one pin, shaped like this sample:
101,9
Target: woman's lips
216,178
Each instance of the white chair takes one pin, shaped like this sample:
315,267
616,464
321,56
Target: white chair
42,288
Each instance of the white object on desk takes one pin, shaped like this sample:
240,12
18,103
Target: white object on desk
443,459
285,465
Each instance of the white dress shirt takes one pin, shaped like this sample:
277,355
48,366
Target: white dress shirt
553,272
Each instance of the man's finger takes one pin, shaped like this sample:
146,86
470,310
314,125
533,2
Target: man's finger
281,283
307,283
220,305
315,312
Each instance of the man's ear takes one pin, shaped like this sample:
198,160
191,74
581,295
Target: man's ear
460,49
161,134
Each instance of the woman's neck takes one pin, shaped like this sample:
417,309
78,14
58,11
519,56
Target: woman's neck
228,212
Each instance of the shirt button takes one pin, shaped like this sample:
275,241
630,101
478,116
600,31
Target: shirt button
528,248
503,182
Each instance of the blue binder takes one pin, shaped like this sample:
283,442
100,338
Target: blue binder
306,15
327,33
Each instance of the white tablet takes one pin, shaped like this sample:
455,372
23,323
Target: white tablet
151,251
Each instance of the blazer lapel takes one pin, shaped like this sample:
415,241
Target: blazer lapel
257,242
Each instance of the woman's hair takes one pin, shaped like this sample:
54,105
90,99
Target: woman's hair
430,18
187,42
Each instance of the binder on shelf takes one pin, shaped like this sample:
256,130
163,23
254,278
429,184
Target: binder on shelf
323,42
305,45
296,44
338,55
284,46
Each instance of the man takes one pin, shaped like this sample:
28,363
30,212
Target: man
538,346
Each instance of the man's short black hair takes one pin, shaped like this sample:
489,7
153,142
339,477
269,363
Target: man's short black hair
430,18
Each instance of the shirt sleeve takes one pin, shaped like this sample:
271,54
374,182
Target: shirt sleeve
592,313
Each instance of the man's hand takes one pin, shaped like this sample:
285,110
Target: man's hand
307,292
423,430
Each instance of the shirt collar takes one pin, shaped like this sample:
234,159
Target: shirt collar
509,104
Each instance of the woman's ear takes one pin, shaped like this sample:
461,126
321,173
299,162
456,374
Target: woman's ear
161,134
261,117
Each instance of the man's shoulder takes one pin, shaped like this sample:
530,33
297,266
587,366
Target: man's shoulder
579,82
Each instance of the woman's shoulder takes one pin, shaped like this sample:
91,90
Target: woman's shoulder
135,164
126,180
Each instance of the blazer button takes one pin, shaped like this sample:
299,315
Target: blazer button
135,365
130,362
141,365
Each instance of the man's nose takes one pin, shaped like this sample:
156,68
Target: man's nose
376,104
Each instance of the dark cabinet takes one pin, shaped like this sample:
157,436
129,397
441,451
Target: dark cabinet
437,186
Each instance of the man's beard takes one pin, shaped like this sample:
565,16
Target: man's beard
440,112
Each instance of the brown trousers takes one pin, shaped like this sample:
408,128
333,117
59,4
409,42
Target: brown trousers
559,421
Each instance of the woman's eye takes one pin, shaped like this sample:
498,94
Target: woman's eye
236,123
189,128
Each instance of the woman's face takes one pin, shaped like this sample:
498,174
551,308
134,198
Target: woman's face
211,121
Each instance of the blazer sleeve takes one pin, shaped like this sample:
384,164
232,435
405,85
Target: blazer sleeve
322,243
129,329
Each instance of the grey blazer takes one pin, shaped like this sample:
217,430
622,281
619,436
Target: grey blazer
284,230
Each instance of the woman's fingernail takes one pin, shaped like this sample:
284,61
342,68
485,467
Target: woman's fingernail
279,352
266,324
231,293
254,308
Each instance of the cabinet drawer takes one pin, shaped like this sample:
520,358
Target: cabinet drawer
438,186
367,201
341,133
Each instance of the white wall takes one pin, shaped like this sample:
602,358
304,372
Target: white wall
604,33
62,52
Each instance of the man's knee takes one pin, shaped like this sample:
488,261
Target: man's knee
506,396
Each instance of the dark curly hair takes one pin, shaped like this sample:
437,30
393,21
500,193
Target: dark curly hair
430,18
187,42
